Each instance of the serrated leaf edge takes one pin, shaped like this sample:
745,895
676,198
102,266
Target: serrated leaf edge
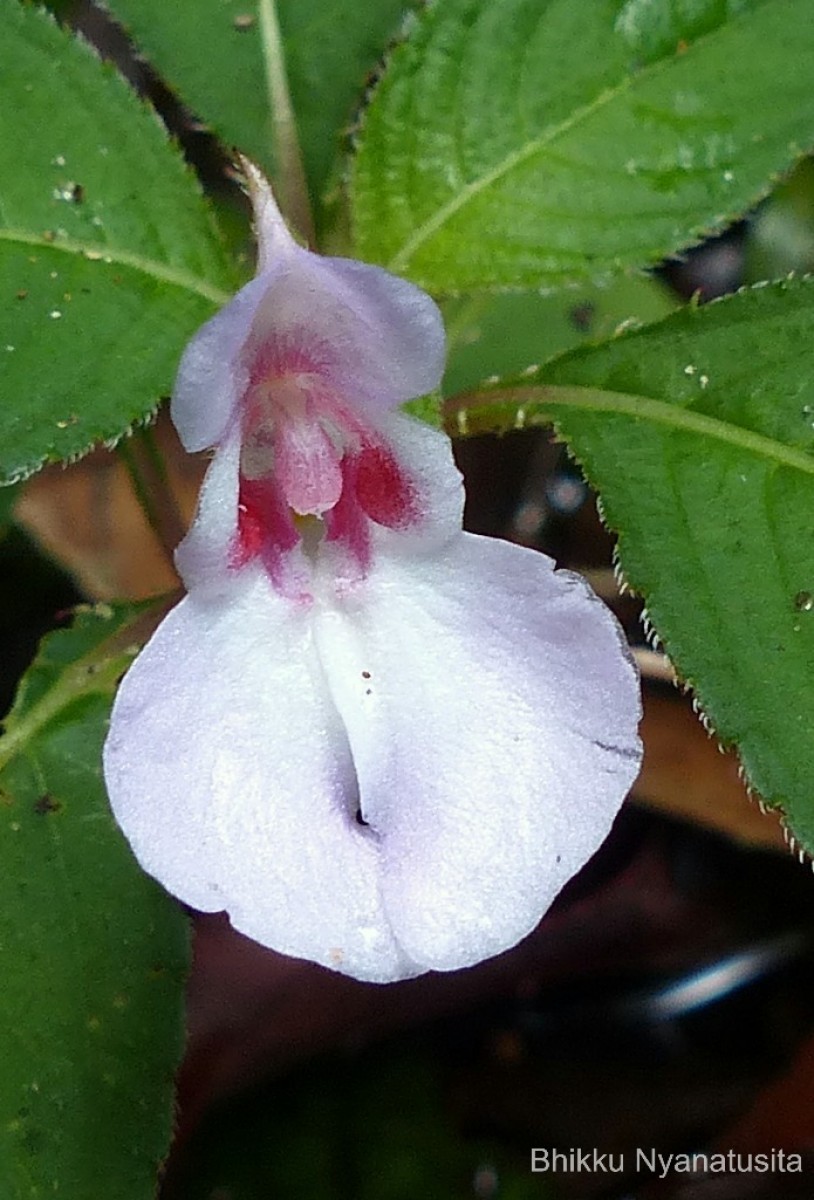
95,672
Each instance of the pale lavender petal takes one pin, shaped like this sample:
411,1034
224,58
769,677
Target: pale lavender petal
213,374
203,556
230,774
491,709
212,377
424,456
379,338
374,340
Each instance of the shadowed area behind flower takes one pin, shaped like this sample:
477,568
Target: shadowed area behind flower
561,1042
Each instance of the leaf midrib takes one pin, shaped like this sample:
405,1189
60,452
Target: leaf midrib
96,672
94,251
399,261
520,407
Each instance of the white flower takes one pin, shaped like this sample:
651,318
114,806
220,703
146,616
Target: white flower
376,741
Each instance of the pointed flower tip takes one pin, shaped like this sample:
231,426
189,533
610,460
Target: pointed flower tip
399,740
272,233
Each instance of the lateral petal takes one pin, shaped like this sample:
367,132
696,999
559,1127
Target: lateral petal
491,709
212,376
231,776
202,558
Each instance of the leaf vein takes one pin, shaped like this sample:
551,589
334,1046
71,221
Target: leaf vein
162,272
544,401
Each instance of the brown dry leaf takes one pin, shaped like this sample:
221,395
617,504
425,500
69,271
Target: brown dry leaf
86,516
685,775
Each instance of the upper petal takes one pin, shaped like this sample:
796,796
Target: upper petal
230,774
491,709
374,339
378,338
213,375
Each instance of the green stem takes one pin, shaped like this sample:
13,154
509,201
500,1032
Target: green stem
170,514
153,493
82,678
292,184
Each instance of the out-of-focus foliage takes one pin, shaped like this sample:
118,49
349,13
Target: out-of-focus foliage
493,334
781,238
8,496
376,1128
219,62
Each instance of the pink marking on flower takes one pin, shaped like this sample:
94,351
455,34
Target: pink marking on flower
346,524
265,528
384,490
316,458
307,464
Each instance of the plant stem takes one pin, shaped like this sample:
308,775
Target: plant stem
292,184
148,475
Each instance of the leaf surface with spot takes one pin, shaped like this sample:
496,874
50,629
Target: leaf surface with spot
109,257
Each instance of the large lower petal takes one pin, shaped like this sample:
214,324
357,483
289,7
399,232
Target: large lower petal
230,773
491,709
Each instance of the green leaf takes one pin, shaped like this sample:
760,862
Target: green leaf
92,953
8,498
109,257
698,433
529,142
493,333
218,62
781,236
